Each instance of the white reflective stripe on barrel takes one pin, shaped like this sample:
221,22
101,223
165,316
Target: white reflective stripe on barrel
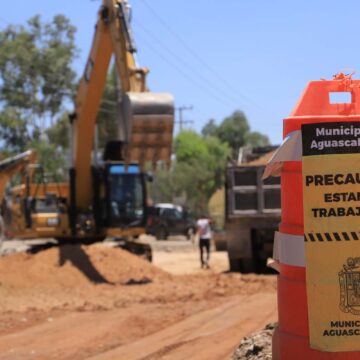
289,249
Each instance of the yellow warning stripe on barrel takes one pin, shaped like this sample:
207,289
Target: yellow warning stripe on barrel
335,236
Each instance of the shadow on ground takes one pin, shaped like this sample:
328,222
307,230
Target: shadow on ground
78,258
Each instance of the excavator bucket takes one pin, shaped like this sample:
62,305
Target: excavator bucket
149,122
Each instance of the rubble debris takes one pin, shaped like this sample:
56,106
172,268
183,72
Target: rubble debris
256,346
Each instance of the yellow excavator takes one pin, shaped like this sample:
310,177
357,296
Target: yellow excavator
107,197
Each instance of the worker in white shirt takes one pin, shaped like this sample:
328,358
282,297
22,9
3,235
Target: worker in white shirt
204,233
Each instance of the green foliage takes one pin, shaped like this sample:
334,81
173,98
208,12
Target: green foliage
218,155
189,146
58,134
183,181
255,139
52,159
205,155
13,131
107,117
197,172
36,78
233,130
195,182
209,128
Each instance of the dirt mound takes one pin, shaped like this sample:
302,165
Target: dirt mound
97,278
71,269
74,265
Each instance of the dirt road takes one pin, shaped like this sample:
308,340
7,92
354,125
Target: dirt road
99,303
210,334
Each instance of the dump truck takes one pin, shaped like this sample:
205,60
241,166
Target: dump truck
103,197
252,214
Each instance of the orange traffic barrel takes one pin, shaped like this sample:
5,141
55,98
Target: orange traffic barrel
291,337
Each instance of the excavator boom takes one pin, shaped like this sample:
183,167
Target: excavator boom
146,118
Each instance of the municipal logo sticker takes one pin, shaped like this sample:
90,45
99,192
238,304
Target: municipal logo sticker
349,279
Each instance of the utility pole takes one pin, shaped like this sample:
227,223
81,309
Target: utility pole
181,120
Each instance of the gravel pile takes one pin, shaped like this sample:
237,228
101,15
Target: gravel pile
257,346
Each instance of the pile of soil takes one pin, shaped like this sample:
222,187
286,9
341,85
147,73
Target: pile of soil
257,346
96,277
75,265
64,276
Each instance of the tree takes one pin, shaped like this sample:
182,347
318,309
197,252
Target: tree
209,128
36,78
255,138
59,133
189,146
184,180
233,130
52,158
13,131
218,155
107,117
195,174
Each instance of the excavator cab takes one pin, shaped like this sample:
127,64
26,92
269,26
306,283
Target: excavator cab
119,191
125,195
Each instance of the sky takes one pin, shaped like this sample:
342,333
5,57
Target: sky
220,56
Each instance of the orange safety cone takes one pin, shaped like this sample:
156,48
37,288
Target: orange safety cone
291,337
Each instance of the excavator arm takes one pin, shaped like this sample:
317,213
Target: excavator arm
146,118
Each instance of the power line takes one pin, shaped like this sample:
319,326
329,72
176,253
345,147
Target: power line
206,89
185,64
196,56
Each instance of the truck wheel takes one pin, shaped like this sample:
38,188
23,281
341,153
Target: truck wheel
161,233
244,266
247,266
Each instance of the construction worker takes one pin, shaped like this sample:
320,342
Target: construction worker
204,232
